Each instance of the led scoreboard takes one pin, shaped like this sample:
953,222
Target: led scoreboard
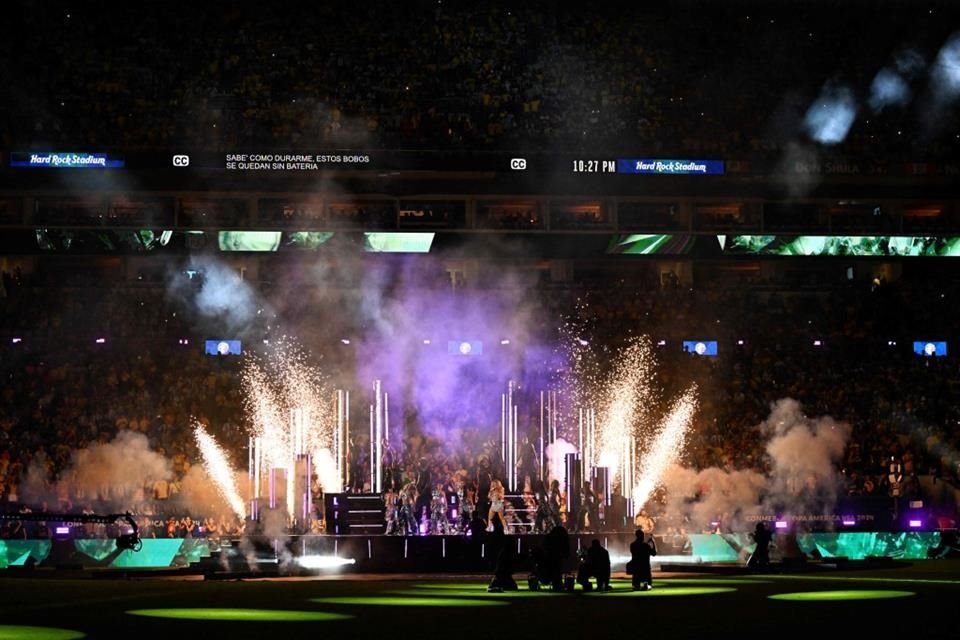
186,161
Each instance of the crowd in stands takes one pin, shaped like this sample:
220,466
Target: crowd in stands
88,356
62,393
658,79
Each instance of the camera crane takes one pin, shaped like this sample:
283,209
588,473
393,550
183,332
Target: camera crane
124,540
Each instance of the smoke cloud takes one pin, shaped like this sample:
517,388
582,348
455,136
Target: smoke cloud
216,293
115,473
802,453
888,89
200,496
799,168
829,118
891,85
945,74
414,342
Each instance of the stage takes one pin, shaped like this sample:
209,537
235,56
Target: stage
358,554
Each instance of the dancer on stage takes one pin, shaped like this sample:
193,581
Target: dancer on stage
496,497
439,523
408,510
390,499
467,498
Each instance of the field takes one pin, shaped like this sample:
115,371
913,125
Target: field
901,599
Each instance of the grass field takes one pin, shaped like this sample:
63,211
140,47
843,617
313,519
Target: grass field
904,600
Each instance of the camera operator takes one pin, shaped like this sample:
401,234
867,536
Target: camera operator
594,563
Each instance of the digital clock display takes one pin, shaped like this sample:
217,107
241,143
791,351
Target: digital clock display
592,165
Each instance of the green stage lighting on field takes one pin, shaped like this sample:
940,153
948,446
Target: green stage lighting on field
666,591
470,593
402,601
14,632
240,615
853,594
711,581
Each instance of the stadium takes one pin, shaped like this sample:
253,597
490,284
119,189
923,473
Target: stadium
321,319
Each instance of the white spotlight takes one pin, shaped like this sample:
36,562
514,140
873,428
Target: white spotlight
323,562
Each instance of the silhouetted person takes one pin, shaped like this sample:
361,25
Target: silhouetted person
475,538
595,564
476,526
552,562
555,500
641,550
484,479
761,555
589,515
503,550
543,520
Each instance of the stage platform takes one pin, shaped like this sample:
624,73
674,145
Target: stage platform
450,554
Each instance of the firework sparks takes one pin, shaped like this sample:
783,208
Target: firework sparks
626,432
218,468
290,406
667,445
625,398
286,388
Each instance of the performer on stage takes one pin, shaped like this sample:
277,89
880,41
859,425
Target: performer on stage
408,510
496,497
645,521
589,516
391,468
439,523
555,499
390,502
545,516
468,503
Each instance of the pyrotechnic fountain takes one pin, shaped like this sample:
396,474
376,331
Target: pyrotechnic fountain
299,428
618,438
664,449
218,468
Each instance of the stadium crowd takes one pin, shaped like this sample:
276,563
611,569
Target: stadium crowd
62,393
87,359
442,75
